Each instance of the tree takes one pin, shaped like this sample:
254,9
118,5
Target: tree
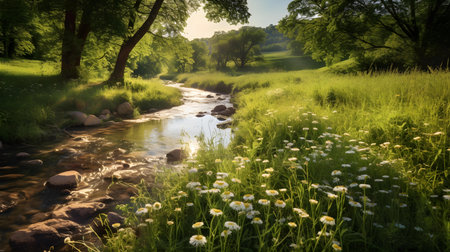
199,54
411,31
15,21
245,44
175,15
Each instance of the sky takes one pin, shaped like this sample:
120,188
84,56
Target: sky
263,13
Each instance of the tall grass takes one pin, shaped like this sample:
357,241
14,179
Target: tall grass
34,99
357,162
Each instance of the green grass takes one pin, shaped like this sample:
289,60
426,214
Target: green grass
303,133
34,99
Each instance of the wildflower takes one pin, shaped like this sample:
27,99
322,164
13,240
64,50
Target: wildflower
292,224
67,240
263,185
313,201
252,214
347,218
192,185
193,170
248,197
416,138
353,185
215,212
363,177
209,173
197,225
292,159
197,240
214,190
302,213
182,194
295,149
189,204
220,184
115,225
227,195
157,205
332,196
218,160
235,180
263,202
248,206
377,225
149,221
403,205
446,197
177,209
320,233
362,169
225,233
265,161
418,229
170,223
315,186
257,220
379,180
336,247
294,246
368,212
222,174
280,204
327,220
398,225
266,175
237,205
232,225
340,189
364,186
336,173
354,203
141,211
272,192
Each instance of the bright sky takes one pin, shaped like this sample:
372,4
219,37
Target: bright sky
264,13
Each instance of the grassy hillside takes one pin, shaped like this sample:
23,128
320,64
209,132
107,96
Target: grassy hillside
34,99
319,161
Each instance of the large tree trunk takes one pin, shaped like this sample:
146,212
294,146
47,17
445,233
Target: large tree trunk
128,45
68,57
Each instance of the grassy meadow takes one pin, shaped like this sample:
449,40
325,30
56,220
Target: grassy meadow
34,99
319,162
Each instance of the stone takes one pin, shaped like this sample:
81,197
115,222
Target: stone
64,180
200,114
221,118
219,108
38,217
120,192
42,235
79,212
11,177
66,151
224,125
227,112
105,112
220,98
209,96
77,117
34,163
9,200
23,155
125,109
175,155
92,120
118,152
105,117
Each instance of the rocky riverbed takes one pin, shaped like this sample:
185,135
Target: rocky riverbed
54,191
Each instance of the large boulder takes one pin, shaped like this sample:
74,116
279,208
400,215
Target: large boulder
175,155
64,180
35,163
79,212
42,235
77,117
125,109
218,108
92,120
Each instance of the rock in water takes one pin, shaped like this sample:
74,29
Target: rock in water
31,163
64,180
227,112
77,117
92,120
23,155
42,235
79,212
125,109
219,108
175,155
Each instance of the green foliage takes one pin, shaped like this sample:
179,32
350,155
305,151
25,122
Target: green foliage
199,55
379,34
148,68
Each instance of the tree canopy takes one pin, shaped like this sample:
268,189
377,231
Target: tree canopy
406,32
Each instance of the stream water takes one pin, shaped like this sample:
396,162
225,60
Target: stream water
132,150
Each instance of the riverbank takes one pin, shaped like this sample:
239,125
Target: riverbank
319,162
35,101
